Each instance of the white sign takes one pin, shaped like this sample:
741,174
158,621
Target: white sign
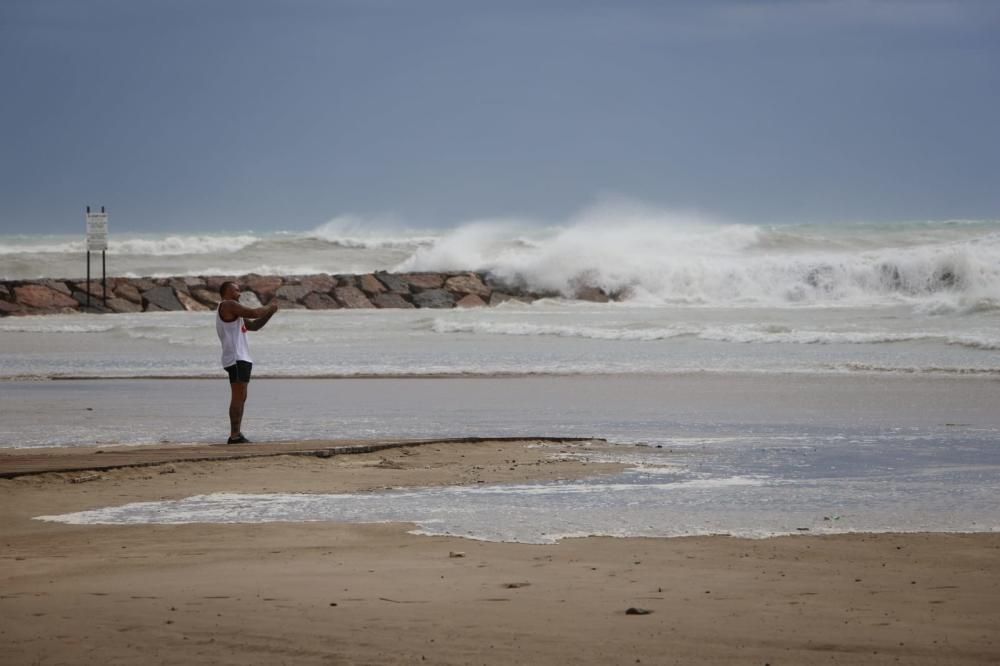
97,232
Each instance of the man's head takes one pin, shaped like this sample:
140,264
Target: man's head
229,290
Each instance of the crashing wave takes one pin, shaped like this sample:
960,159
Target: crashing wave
678,260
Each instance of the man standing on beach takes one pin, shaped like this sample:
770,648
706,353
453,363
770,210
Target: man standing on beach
232,322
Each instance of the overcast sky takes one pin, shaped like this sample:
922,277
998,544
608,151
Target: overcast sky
247,114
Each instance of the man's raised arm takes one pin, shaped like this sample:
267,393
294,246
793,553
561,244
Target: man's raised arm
256,323
230,310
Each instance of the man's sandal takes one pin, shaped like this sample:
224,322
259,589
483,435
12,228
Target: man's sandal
239,439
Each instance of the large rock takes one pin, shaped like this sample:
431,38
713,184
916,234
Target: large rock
424,280
265,286
190,303
123,305
250,300
467,284
508,285
352,297
390,300
209,297
128,291
43,298
322,283
318,301
95,287
434,298
622,293
470,301
595,294
370,285
10,308
294,293
215,281
143,284
161,298
95,304
180,285
393,283
58,285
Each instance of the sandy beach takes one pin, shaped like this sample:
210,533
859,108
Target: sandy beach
328,593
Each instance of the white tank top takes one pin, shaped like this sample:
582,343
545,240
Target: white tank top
233,336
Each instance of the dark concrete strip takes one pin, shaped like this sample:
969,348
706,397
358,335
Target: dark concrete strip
100,460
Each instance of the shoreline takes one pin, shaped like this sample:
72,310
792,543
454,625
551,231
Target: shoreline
17,463
986,374
372,593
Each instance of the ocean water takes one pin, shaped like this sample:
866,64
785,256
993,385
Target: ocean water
652,258
860,362
697,296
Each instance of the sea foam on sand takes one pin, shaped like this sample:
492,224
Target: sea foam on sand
664,497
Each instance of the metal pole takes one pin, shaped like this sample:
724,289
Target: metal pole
88,263
104,272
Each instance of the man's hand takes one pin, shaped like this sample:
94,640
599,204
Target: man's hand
230,310
258,322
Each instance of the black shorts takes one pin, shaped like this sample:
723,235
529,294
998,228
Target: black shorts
239,372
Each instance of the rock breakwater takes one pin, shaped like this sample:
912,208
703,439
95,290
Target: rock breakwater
313,292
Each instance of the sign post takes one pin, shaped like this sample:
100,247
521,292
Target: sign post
97,239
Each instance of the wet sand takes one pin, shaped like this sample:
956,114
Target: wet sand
322,593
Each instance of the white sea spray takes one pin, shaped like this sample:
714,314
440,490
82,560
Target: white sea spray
681,260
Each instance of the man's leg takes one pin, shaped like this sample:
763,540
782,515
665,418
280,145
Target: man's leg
239,398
